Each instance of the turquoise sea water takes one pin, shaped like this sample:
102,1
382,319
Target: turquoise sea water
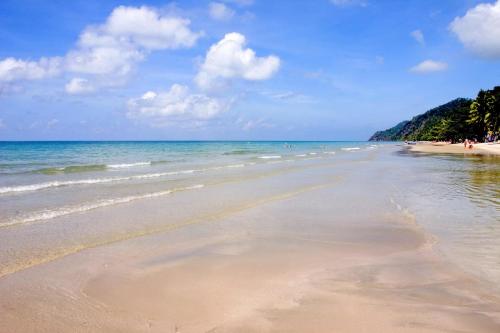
31,166
73,157
72,172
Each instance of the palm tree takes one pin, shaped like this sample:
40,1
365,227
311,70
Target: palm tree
477,114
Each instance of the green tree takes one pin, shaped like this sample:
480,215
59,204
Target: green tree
492,116
489,115
477,114
443,130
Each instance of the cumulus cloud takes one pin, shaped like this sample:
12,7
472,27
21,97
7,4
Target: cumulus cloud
108,52
418,36
112,49
479,29
429,66
12,69
102,55
79,85
176,104
229,59
145,27
219,11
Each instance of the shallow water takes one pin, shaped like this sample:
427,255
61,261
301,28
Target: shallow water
457,198
60,198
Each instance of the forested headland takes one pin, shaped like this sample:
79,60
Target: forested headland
473,119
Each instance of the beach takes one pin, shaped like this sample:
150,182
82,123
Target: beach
252,237
456,148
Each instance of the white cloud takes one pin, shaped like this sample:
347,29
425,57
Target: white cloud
479,29
107,52
79,85
345,3
289,97
147,28
176,104
228,59
112,49
429,66
102,55
418,36
219,11
12,69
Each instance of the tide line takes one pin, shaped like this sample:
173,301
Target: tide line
208,218
63,211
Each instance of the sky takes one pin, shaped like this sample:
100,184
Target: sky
237,69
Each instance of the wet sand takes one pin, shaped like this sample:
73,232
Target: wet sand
457,148
323,255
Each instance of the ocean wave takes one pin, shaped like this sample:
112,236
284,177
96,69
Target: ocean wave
329,152
42,186
301,155
91,181
270,157
313,153
159,162
235,166
127,165
71,169
242,152
50,214
90,167
350,148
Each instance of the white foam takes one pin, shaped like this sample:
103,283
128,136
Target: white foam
63,183
351,149
41,186
301,155
270,157
50,214
313,153
329,152
127,165
235,166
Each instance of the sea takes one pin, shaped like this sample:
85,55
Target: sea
58,198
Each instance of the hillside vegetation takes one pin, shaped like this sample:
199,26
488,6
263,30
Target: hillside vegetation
454,121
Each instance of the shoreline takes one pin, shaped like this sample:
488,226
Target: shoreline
456,148
311,253
254,283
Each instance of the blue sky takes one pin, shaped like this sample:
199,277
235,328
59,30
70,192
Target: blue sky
237,69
